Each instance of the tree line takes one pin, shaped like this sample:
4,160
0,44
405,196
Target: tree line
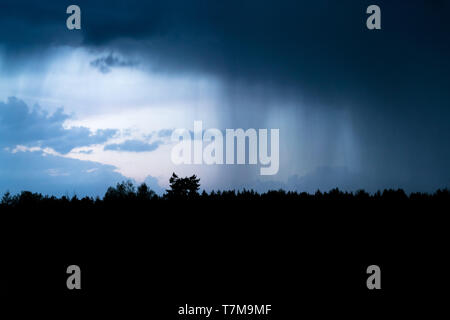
187,188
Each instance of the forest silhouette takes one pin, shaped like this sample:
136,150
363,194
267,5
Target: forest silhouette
187,189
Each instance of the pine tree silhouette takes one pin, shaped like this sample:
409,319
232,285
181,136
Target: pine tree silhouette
183,188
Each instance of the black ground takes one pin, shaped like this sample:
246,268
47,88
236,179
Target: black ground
298,256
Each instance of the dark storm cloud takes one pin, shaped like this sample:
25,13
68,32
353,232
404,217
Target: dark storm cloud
21,125
320,49
321,45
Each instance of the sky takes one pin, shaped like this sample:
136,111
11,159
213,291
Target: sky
81,110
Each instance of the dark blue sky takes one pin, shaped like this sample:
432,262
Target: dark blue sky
356,108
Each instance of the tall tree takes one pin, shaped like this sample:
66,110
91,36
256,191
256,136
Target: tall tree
183,188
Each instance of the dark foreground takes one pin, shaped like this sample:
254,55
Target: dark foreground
300,257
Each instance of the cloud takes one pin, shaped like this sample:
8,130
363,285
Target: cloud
54,175
133,146
105,64
165,133
320,50
322,45
153,184
57,172
34,127
85,151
